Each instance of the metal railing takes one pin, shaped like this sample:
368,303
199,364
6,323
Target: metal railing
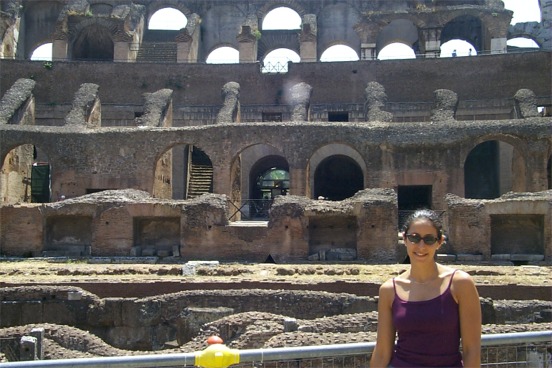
250,210
512,350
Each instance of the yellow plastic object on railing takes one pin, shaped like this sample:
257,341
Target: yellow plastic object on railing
217,356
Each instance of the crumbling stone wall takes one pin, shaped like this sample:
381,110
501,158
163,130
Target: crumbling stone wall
527,239
149,323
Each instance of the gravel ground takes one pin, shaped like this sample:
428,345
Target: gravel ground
22,271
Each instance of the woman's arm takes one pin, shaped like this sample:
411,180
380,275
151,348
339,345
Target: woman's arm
467,296
386,330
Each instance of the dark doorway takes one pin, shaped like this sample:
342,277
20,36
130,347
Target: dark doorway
272,116
337,177
412,198
269,178
40,183
338,116
200,175
93,43
481,172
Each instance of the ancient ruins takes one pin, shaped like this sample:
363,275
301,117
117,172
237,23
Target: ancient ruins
127,143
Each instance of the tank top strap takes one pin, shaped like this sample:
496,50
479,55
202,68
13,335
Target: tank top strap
450,281
394,286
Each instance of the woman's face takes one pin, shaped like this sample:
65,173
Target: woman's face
419,234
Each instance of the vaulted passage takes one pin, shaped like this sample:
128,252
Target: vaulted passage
337,177
481,172
94,43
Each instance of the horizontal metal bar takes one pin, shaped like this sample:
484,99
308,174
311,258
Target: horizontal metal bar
262,355
516,338
305,352
137,361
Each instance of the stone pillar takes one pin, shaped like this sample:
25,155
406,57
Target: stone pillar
431,38
308,39
229,113
444,105
546,22
28,348
121,51
297,182
375,100
38,333
300,95
525,104
87,109
187,41
59,50
498,45
536,156
368,51
17,106
248,44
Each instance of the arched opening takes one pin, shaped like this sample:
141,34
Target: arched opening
268,178
43,52
337,177
277,60
520,44
396,51
339,53
183,172
488,170
167,19
93,43
464,28
199,173
398,40
26,176
281,18
224,55
454,48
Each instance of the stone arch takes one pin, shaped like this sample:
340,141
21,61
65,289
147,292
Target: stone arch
398,31
262,190
93,42
464,27
220,25
157,5
40,23
489,167
273,4
336,24
161,15
25,175
217,47
263,20
345,47
531,37
270,44
43,46
245,165
182,171
327,151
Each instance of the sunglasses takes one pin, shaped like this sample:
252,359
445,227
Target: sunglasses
416,238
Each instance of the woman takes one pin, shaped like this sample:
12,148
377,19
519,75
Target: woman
429,307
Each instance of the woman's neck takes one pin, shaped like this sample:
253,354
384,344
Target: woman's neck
423,274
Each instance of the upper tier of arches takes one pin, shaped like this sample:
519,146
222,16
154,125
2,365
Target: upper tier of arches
114,32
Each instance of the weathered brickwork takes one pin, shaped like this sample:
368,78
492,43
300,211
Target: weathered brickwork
330,156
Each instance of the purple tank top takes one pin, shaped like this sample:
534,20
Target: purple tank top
428,332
